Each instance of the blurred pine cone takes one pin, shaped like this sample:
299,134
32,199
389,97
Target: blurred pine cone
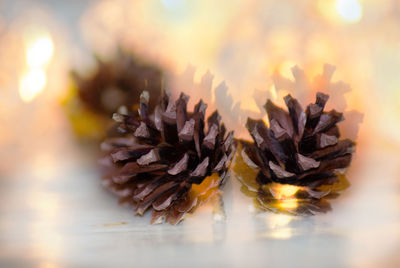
118,82
299,148
167,161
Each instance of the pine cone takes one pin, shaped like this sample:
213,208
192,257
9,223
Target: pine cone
167,161
299,148
118,82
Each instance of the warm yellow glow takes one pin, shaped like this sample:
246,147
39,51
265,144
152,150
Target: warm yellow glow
285,233
285,69
279,224
273,93
327,8
349,10
31,84
285,191
205,191
249,104
285,195
279,220
39,52
288,204
208,183
266,119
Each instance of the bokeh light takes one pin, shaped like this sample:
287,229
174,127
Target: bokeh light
31,84
285,191
39,51
349,10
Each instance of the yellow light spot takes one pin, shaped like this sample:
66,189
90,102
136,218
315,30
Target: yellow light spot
278,226
284,191
39,52
349,10
273,93
266,119
205,191
31,84
279,220
285,69
288,204
285,233
208,183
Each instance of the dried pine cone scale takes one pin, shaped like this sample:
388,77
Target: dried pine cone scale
299,147
159,157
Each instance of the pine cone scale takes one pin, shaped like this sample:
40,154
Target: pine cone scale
342,147
279,115
129,153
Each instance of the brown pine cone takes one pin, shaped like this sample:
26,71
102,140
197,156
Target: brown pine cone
118,82
299,148
167,161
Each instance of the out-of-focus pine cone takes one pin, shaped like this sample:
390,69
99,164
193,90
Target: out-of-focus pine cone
118,82
299,148
167,161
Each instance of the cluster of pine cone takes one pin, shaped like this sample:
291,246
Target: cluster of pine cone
170,160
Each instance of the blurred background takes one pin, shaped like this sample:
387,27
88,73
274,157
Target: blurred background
53,211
